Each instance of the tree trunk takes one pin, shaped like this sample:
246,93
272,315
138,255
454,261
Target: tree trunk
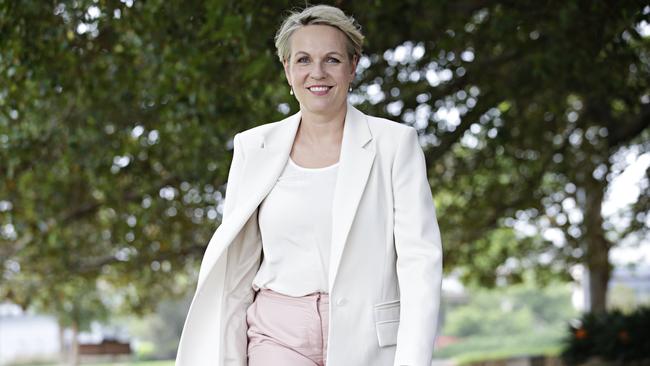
597,245
74,345
598,280
62,349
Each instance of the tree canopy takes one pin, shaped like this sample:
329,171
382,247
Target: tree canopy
117,118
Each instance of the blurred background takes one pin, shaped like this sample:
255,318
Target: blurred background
116,126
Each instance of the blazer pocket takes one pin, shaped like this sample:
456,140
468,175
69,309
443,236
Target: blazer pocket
387,322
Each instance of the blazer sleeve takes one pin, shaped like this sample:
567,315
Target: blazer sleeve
234,176
419,254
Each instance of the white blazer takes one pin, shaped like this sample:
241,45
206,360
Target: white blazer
386,258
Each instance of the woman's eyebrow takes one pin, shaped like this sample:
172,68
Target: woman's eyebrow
329,53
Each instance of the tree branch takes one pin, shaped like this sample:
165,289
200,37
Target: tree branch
628,131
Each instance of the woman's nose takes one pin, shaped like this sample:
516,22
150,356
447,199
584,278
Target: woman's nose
317,71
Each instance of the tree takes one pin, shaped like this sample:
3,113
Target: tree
547,95
116,125
116,122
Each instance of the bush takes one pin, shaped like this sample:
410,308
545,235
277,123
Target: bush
612,336
516,309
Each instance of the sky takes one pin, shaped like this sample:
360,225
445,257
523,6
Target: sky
624,191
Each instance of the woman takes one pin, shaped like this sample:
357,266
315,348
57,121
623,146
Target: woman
328,203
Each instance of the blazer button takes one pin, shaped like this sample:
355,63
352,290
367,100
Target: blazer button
340,301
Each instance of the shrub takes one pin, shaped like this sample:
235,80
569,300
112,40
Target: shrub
612,336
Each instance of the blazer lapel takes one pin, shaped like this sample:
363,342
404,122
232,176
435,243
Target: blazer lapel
355,161
266,160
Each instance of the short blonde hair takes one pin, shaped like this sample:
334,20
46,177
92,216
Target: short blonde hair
323,15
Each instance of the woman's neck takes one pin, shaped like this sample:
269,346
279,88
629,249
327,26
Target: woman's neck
322,129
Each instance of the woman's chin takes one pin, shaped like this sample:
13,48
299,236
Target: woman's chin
322,106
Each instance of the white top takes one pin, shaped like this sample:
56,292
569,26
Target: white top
295,222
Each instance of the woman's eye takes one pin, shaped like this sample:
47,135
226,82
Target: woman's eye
333,60
303,59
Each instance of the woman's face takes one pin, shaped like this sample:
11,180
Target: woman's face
319,69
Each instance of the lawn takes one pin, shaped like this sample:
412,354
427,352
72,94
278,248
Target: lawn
127,363
485,348
141,363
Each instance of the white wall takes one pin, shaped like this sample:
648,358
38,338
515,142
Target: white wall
26,336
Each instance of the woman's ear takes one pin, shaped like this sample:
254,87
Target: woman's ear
285,64
353,65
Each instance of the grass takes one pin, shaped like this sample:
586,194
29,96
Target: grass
548,343
127,363
470,349
136,363
506,353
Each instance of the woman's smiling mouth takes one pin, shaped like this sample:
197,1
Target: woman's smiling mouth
319,89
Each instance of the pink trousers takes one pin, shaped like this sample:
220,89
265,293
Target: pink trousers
287,331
